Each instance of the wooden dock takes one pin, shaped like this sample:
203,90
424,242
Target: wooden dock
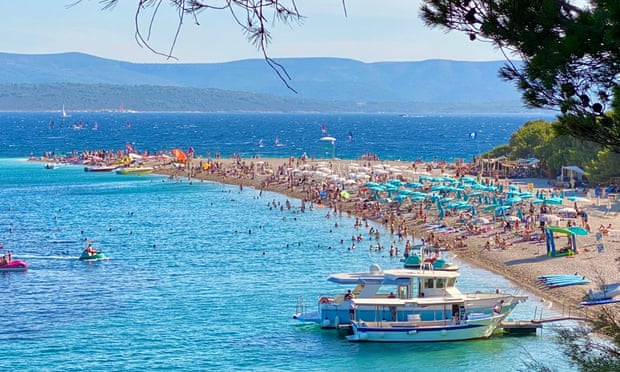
519,327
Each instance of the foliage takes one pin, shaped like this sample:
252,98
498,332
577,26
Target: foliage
570,55
594,353
540,139
530,139
498,151
605,166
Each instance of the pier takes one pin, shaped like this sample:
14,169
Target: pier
519,327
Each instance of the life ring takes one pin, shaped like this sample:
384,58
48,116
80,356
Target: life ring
324,300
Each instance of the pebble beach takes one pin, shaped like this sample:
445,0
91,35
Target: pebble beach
517,254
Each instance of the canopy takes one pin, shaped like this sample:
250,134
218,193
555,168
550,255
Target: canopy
574,168
179,155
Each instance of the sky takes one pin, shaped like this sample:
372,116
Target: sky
371,31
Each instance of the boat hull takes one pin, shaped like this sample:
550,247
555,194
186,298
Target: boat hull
412,332
134,171
97,256
15,265
99,169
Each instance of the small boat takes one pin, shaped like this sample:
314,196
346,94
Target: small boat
103,168
463,325
14,265
608,291
92,256
49,166
134,170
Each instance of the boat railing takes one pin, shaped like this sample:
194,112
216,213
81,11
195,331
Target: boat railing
301,306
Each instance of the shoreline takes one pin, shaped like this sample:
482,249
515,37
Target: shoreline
521,261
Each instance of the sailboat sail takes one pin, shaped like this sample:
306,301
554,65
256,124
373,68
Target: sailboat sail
64,112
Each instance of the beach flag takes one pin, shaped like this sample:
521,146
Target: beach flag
323,129
472,135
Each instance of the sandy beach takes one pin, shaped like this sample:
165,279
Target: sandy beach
517,253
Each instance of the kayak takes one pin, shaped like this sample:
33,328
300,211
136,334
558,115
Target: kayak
14,265
96,256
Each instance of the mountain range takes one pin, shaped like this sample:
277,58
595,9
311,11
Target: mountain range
85,82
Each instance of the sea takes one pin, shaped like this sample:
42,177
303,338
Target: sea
202,276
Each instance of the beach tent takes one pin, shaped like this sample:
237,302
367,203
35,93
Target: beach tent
550,240
571,171
179,155
329,146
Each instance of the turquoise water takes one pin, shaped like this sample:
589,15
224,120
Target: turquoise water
201,276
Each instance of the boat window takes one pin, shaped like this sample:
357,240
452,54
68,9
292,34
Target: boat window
402,291
429,283
441,282
451,282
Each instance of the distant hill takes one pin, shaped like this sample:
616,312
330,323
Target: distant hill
322,84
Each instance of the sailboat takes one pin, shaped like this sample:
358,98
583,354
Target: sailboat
260,143
64,113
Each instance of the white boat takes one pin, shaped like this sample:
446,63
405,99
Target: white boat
426,290
134,170
457,324
607,291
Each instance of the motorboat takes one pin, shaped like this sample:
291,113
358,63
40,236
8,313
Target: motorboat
608,293
426,290
101,168
458,324
14,265
92,256
134,170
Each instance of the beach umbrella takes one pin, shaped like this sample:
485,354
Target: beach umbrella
481,220
537,201
345,194
491,207
400,198
501,210
549,218
578,199
553,201
567,210
513,200
414,185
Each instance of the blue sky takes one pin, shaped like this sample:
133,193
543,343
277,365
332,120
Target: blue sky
373,31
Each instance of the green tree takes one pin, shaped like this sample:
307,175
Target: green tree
528,140
569,55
